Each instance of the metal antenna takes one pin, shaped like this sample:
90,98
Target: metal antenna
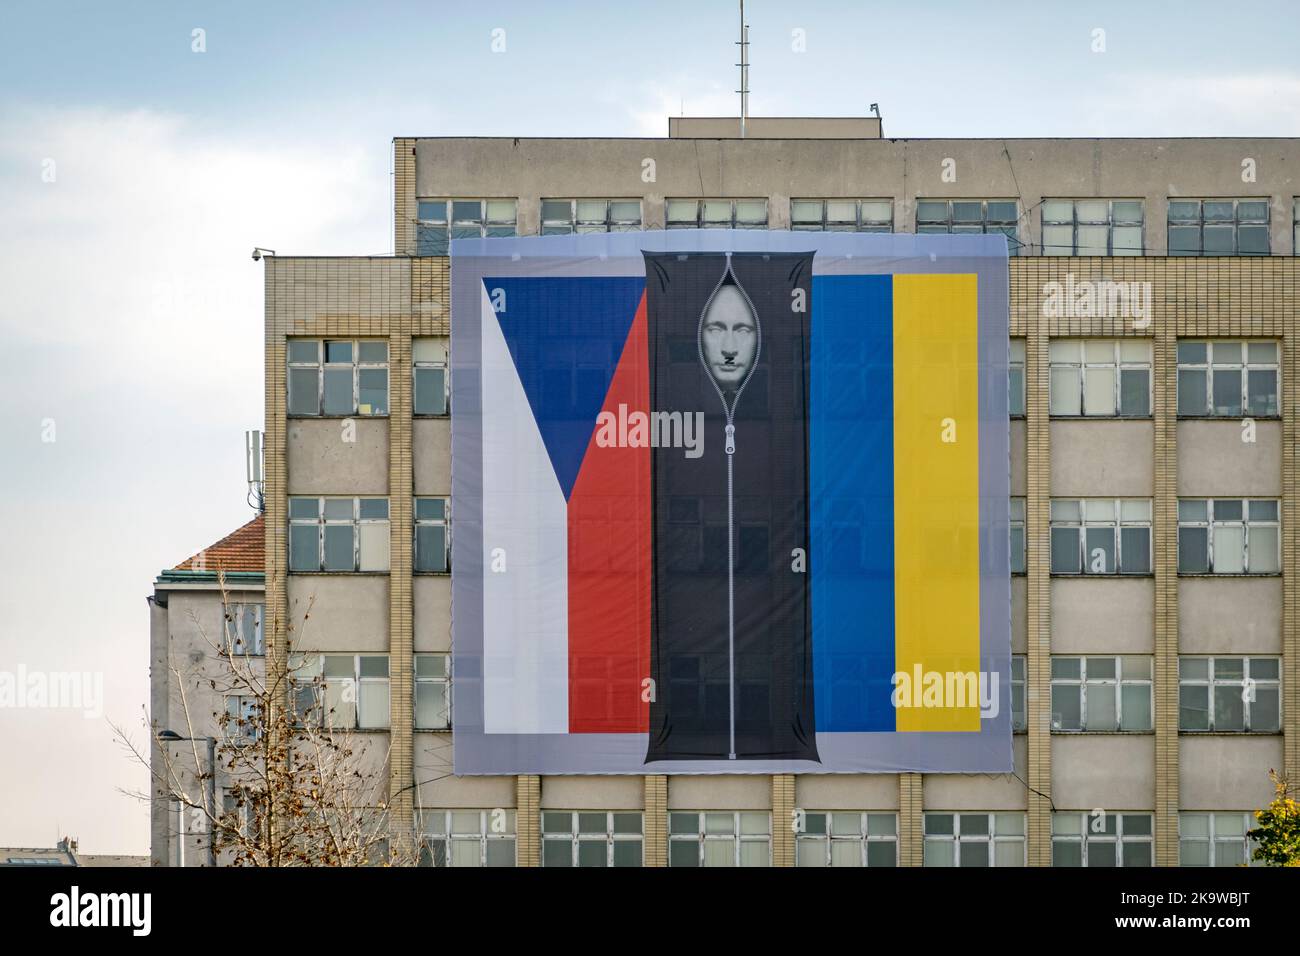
743,43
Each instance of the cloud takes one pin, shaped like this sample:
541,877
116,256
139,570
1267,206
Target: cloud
651,103
1168,104
139,247
132,319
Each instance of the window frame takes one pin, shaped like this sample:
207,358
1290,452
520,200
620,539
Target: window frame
575,223
1200,222
322,522
1111,224
443,681
1082,364
322,365
839,224
575,836
233,620
700,222
1212,840
300,661
1118,523
243,716
1119,838
448,834
1017,522
1112,686
1211,525
944,226
1019,694
424,364
1016,397
1212,682
864,838
417,523
488,226
991,838
702,837
1245,366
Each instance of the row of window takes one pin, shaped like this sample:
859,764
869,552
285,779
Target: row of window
602,838
350,692
1096,693
350,377
1114,694
1071,227
1113,536
1111,378
1088,535
1088,377
353,534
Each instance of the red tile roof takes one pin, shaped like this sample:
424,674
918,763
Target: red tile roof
242,550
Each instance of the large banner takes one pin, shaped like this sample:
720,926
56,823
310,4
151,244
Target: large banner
730,502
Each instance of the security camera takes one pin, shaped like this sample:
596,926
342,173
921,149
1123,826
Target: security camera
258,250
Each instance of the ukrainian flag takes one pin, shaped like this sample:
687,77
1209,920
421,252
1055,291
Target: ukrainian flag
894,498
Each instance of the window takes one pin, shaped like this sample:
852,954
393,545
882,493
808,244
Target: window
338,377
239,818
848,838
243,626
1092,227
439,220
1096,839
432,385
842,215
1101,377
432,691
338,534
597,838
719,839
1101,694
716,213
974,839
1017,512
1225,378
1016,378
969,216
1019,718
432,535
468,838
1214,839
1101,536
345,691
1218,227
1228,536
241,725
1230,694
561,217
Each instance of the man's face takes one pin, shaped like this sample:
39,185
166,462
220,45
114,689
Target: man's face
729,337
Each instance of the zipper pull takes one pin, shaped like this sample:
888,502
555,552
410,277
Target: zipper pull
731,439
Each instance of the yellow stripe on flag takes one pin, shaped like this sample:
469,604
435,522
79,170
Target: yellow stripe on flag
936,501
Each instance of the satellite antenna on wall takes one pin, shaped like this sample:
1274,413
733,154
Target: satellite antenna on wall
743,43
253,470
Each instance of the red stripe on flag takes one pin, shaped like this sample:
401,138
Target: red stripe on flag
610,564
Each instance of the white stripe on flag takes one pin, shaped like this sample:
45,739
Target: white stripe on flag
525,531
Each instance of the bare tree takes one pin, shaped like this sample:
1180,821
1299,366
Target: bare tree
301,788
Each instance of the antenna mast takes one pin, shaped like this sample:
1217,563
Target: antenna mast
744,69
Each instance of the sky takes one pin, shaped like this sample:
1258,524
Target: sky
140,166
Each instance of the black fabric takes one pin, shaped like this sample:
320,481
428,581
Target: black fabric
690,663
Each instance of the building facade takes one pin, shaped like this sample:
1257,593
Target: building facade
214,595
1153,395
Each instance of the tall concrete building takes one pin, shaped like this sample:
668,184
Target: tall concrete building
1153,474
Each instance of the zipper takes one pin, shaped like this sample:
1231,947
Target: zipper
729,433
